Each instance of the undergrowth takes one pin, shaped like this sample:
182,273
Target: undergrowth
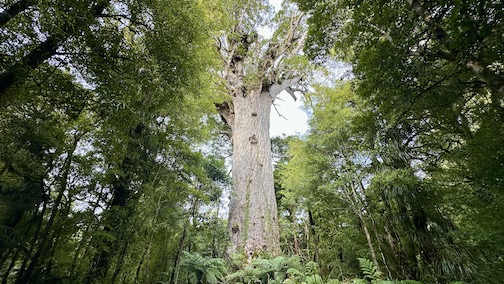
279,270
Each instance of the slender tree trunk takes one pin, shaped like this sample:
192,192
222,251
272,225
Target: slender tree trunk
25,276
146,254
296,245
21,242
375,231
292,219
316,255
139,267
253,224
86,236
11,265
115,221
377,237
51,253
120,262
77,254
4,255
34,238
174,274
56,239
357,207
306,239
215,253
369,241
161,263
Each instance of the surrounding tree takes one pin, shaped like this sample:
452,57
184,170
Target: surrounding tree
99,122
432,72
364,177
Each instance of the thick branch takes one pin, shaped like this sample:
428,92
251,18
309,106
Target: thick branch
226,113
276,51
285,85
42,52
13,10
300,43
493,80
32,60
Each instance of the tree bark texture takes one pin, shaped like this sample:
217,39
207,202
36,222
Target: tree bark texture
358,209
254,73
253,224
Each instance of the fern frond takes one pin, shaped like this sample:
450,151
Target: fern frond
213,269
367,268
314,279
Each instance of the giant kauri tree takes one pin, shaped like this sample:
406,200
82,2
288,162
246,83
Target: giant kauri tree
255,70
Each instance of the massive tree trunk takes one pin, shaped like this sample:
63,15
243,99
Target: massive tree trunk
253,225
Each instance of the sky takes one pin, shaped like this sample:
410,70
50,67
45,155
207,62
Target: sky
294,120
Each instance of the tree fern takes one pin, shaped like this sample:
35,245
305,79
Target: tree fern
276,270
208,270
247,274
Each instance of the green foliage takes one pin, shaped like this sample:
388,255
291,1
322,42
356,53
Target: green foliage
371,274
363,179
276,270
205,270
314,279
107,108
101,82
369,270
285,270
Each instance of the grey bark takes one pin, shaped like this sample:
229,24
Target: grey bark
357,207
253,224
